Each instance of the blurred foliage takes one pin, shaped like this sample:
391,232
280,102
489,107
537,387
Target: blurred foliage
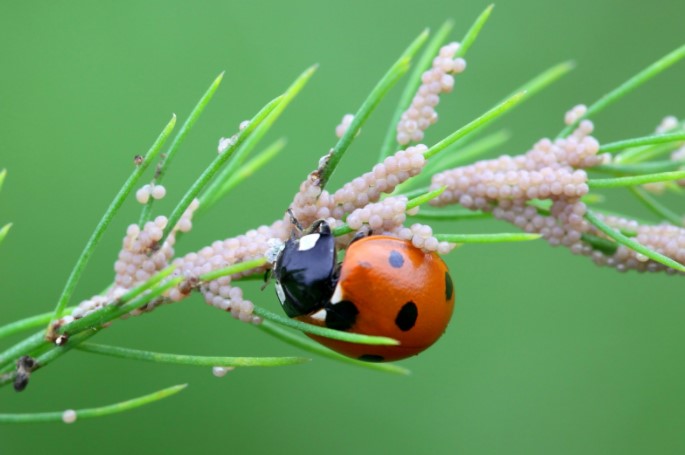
546,353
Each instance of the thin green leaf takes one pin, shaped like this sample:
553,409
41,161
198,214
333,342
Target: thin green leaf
421,198
473,31
215,166
640,168
631,84
527,90
412,85
4,230
632,244
476,124
3,174
451,215
47,352
641,141
165,162
600,244
77,271
377,94
308,345
414,193
322,331
546,78
246,171
467,153
93,412
26,324
656,207
195,360
24,347
108,313
487,238
646,153
218,188
636,180
233,269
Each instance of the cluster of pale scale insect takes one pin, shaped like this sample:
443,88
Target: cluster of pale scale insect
551,170
421,114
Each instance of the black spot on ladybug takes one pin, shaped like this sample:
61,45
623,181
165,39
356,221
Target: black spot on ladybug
396,260
449,287
371,358
342,315
406,318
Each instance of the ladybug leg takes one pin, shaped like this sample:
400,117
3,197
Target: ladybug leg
293,220
363,232
267,278
335,276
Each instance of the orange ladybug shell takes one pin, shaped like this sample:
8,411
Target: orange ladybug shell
398,291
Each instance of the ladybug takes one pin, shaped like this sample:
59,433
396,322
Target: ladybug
384,286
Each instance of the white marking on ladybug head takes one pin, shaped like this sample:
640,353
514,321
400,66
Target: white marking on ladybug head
275,248
280,293
337,295
319,315
308,241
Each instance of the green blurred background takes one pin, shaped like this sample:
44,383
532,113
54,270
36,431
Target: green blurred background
546,352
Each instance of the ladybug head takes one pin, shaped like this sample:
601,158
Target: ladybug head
305,270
